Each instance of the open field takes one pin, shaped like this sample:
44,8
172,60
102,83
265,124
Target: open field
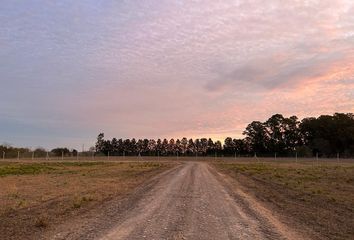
314,195
37,196
189,201
170,198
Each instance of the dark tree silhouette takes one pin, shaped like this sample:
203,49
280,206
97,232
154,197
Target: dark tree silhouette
325,135
60,152
257,137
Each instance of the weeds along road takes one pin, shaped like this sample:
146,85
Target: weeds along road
192,201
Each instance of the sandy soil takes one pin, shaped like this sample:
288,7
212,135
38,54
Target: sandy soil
36,198
190,201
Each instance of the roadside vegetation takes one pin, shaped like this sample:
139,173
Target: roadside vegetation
36,196
315,196
325,136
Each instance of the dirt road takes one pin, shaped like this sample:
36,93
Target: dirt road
195,202
191,201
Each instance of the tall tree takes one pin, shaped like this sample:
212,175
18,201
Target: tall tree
218,147
211,147
145,146
292,135
100,143
184,145
203,145
159,147
197,146
60,152
126,147
275,133
191,149
256,137
229,146
139,146
152,146
115,147
178,147
133,148
171,147
164,147
240,146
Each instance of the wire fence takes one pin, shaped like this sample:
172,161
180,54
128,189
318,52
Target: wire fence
255,158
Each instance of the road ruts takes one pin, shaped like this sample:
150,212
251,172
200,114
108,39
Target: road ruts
192,202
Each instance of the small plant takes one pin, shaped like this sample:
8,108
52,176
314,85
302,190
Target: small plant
78,203
41,222
21,203
14,195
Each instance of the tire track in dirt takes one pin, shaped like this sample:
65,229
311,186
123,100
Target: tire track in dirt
196,202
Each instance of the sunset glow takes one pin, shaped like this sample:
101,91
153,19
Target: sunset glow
168,69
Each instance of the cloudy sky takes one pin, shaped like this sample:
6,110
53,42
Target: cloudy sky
163,68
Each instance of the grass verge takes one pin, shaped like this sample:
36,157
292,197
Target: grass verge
37,196
319,198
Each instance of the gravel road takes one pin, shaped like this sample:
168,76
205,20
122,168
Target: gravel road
194,201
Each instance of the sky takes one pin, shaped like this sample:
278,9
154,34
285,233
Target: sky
168,69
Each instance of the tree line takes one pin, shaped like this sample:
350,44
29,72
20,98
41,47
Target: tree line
8,151
154,147
325,135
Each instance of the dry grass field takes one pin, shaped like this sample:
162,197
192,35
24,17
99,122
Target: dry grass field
314,195
36,196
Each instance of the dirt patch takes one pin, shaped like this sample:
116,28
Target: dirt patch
37,197
319,198
195,202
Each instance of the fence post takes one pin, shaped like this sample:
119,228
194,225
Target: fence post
317,158
32,155
3,155
296,157
18,155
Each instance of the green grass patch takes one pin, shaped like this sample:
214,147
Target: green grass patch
84,168
17,168
23,169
